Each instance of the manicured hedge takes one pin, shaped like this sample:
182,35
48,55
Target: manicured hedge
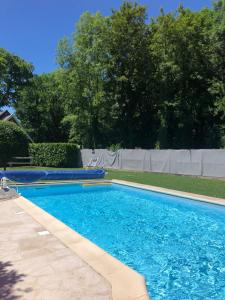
13,142
54,154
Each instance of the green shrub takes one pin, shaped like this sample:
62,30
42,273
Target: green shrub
114,147
54,154
13,142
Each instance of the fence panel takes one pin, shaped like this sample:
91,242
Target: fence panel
213,163
183,162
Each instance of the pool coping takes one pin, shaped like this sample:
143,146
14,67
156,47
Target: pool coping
126,283
58,182
196,197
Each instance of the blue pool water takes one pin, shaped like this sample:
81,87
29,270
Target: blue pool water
177,244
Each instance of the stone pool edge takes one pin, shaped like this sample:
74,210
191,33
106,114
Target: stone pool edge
126,283
196,197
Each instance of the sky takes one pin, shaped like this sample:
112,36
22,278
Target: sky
32,28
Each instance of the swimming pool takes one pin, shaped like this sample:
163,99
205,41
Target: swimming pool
177,244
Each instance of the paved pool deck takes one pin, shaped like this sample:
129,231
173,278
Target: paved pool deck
41,267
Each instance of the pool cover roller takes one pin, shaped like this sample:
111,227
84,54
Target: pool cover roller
29,176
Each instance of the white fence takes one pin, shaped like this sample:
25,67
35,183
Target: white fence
184,162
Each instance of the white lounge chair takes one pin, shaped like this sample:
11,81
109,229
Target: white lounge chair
93,163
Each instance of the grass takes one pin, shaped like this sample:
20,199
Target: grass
196,185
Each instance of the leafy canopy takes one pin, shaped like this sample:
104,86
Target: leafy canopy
14,75
124,80
41,107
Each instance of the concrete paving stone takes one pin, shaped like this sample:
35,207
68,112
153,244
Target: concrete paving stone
70,262
34,267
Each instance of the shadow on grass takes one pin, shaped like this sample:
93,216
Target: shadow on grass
8,279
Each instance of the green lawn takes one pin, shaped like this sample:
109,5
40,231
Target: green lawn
204,186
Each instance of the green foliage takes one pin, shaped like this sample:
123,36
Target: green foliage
64,52
217,88
131,72
71,126
54,154
13,142
182,47
124,80
14,75
41,108
114,147
109,88
86,105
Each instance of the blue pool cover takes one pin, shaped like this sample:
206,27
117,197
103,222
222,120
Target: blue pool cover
26,176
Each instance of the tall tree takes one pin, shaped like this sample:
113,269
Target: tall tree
41,108
111,79
182,49
126,81
218,61
86,71
14,75
131,77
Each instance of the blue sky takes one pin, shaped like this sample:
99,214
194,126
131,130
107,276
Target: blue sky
32,28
